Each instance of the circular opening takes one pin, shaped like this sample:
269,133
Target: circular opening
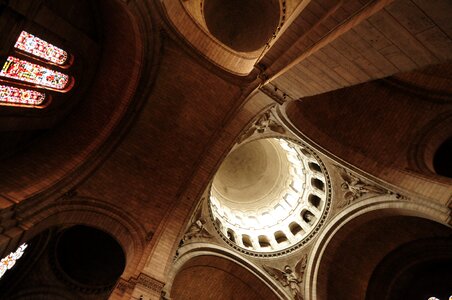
266,197
442,161
89,256
243,25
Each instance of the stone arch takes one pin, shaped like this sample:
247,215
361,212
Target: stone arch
100,215
197,251
189,22
417,269
374,211
429,140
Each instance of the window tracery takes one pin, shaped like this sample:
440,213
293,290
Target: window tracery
10,260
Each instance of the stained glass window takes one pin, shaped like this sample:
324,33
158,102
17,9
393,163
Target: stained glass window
9,261
11,95
40,48
26,71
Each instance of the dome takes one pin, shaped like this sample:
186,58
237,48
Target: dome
268,195
242,25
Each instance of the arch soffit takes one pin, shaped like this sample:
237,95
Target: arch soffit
194,250
402,258
372,208
238,63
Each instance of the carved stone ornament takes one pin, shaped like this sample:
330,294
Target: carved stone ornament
355,188
124,286
196,229
264,124
142,279
289,278
150,283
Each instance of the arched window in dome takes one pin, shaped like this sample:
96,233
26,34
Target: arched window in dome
12,96
263,241
280,237
35,46
246,240
295,228
231,235
10,260
23,70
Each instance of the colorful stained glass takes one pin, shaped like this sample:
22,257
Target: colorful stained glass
40,48
9,261
26,71
13,95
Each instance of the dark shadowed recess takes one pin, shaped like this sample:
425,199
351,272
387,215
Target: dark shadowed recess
442,161
243,25
89,256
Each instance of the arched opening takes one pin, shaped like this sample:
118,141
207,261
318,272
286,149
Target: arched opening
246,240
317,183
295,228
308,217
357,248
442,161
231,235
418,270
242,25
314,200
42,50
13,96
263,241
89,257
314,167
280,237
80,260
211,277
218,223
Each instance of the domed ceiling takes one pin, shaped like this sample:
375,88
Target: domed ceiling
268,195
